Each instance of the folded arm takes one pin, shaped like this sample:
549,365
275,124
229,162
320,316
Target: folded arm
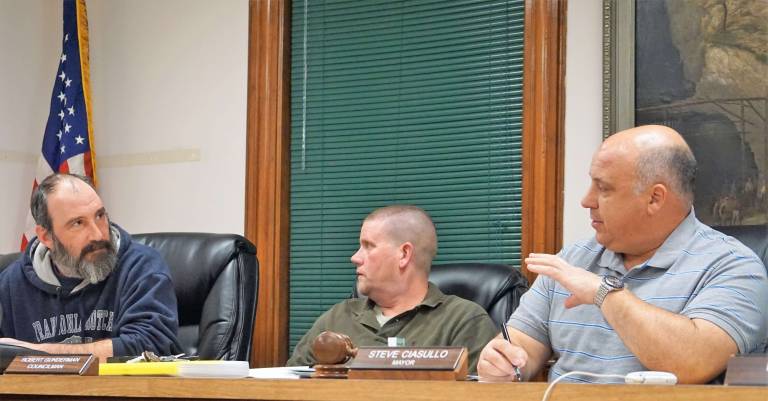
101,349
148,318
695,350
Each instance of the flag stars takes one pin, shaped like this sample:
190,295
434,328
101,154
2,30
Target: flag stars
61,115
67,82
61,96
59,135
66,37
67,127
63,148
79,139
62,75
71,110
63,58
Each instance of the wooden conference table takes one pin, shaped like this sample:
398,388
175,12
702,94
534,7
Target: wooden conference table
51,387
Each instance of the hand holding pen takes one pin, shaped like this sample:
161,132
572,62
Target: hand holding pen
505,333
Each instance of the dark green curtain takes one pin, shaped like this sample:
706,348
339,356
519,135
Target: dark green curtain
410,102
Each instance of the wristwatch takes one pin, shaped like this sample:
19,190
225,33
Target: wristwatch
609,284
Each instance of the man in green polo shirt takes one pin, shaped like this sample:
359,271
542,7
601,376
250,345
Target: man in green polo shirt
397,245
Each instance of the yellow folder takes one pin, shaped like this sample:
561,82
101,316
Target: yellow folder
140,369
179,368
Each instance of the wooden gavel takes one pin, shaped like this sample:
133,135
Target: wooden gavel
332,348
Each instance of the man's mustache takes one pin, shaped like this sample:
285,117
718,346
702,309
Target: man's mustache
95,246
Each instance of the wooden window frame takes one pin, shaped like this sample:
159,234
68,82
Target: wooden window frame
267,178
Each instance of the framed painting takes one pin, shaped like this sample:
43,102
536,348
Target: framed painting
700,67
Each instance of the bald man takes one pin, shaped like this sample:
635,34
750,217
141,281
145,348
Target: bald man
655,289
397,245
82,286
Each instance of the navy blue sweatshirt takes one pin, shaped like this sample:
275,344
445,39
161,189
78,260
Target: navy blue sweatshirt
135,305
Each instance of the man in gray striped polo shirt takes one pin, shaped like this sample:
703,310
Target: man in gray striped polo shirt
655,289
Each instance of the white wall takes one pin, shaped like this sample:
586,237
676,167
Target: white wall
30,47
583,110
169,82
172,75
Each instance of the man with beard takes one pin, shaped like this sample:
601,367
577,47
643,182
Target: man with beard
83,286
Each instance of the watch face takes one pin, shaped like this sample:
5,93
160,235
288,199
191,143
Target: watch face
614,282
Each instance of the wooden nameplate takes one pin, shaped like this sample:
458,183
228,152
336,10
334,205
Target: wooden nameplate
747,370
65,364
410,363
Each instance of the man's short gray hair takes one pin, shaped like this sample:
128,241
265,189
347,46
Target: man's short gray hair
38,203
413,224
673,165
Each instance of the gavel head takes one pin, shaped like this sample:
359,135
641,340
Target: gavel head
332,348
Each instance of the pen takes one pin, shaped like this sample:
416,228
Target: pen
505,333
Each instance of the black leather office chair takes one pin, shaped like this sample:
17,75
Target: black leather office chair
216,280
755,237
497,288
6,260
215,277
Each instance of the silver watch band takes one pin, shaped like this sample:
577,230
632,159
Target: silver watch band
600,295
609,284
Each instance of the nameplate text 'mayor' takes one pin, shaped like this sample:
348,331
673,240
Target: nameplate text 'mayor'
416,363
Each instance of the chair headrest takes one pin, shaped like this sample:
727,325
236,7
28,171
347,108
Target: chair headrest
482,283
195,260
6,260
496,288
755,237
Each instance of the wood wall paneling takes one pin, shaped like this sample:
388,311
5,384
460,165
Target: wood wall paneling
267,158
268,172
543,127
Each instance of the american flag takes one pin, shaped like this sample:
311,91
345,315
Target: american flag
68,137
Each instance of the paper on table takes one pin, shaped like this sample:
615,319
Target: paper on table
180,368
213,369
288,372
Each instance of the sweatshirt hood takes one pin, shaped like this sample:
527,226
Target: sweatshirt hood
38,267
